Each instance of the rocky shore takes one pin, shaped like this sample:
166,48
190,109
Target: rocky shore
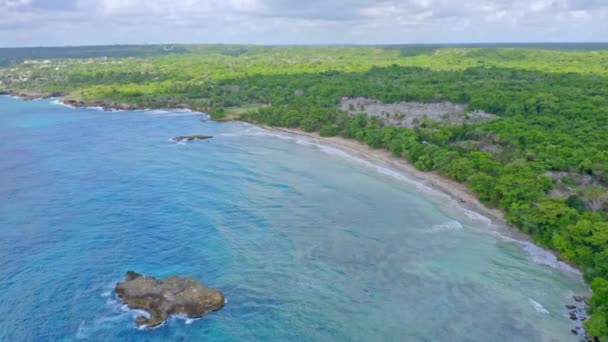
30,95
164,297
110,105
105,104
577,312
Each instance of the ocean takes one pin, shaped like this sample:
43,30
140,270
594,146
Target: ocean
306,242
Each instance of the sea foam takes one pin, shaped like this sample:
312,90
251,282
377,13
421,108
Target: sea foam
446,226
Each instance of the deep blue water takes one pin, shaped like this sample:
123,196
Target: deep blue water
306,243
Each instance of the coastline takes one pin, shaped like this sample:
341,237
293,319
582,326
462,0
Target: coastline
458,193
576,308
455,191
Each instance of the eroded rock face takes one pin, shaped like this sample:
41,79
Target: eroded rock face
164,297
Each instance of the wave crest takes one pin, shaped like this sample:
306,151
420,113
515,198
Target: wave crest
538,306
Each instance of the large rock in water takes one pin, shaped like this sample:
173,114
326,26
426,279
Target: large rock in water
163,297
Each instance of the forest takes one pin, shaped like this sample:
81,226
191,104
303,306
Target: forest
543,160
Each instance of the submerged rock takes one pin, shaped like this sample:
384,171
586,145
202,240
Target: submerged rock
164,297
192,137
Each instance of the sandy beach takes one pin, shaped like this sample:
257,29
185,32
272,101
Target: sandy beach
454,190
457,192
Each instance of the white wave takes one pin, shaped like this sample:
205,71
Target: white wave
137,312
145,327
446,226
538,307
540,255
186,319
477,216
103,323
544,257
97,108
155,111
59,103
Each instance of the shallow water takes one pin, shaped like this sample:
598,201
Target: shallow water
305,242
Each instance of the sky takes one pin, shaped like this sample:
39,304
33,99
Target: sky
92,22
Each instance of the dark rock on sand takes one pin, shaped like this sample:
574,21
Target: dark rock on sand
164,297
570,307
192,137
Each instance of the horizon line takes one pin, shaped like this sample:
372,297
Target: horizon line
314,44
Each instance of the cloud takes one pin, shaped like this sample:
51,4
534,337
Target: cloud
65,22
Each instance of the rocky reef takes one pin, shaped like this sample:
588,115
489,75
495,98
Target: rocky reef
191,137
164,297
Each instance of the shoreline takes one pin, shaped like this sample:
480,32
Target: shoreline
437,183
456,192
577,307
77,103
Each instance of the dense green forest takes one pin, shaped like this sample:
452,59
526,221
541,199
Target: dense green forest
543,160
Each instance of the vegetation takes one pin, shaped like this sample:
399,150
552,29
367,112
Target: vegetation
544,161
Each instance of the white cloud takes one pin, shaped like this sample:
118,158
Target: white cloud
60,22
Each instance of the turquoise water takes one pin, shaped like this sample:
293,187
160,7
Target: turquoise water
306,243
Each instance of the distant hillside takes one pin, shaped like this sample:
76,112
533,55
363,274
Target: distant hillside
11,56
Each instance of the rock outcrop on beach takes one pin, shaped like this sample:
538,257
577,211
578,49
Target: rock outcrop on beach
164,297
192,137
106,105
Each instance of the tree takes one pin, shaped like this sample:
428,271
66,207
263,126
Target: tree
595,198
